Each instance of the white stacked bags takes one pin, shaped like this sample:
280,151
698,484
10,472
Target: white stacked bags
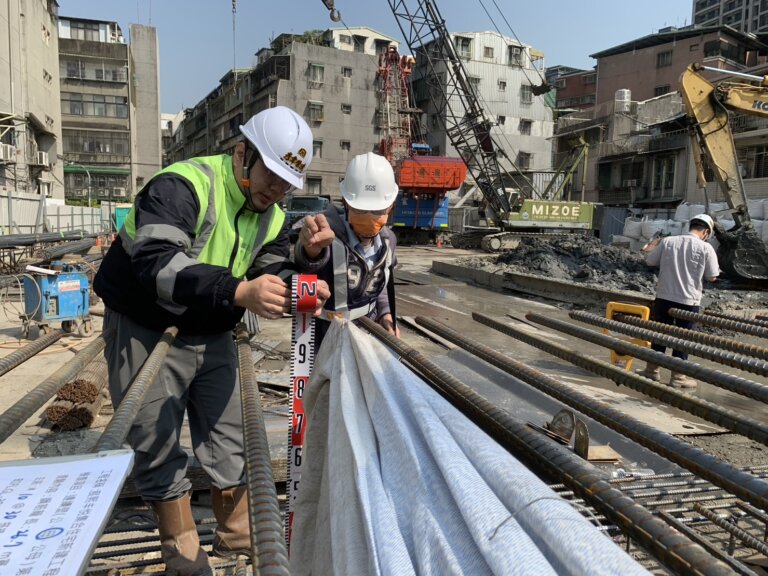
637,232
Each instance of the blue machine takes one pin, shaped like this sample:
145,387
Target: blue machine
59,294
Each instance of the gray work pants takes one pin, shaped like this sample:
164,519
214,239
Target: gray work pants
198,376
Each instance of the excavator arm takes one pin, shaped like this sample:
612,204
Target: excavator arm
742,252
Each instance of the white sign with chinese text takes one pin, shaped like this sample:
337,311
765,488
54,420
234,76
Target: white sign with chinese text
53,510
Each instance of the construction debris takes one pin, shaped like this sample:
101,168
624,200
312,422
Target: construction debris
585,260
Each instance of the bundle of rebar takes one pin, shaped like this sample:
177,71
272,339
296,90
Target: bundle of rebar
79,401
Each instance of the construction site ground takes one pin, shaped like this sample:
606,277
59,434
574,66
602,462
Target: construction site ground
420,292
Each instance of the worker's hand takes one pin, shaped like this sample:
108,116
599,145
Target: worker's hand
323,293
315,235
268,296
389,325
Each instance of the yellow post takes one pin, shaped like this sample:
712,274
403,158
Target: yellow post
643,312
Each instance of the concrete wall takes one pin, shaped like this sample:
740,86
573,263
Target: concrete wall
145,97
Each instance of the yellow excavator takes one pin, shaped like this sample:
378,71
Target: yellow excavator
742,252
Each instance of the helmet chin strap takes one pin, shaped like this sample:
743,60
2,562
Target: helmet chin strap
246,181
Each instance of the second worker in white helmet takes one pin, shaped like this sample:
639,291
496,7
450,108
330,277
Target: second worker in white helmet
353,246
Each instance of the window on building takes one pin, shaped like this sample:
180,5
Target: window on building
760,169
475,82
501,120
463,47
317,148
524,160
526,94
360,43
314,185
525,127
346,72
502,85
84,30
488,52
560,83
316,75
693,47
345,145
345,39
663,173
514,56
589,78
664,59
346,108
75,69
433,120
315,112
660,90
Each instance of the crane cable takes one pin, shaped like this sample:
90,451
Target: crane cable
543,80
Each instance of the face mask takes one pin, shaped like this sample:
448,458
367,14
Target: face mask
366,225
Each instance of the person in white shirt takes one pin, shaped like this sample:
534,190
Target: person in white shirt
684,262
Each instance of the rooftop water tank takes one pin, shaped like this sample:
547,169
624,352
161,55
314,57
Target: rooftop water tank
623,100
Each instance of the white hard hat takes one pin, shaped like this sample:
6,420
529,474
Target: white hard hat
369,183
706,219
284,141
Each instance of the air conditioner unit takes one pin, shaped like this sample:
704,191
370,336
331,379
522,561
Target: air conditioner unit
41,158
118,192
630,183
7,153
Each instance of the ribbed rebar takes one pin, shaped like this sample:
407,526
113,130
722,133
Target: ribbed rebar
13,240
736,318
721,379
732,325
698,461
8,363
709,411
17,414
117,430
733,359
676,552
696,336
267,534
738,567
48,254
732,529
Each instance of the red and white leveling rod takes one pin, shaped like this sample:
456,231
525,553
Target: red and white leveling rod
304,301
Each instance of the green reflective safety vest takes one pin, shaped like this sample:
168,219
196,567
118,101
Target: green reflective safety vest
221,226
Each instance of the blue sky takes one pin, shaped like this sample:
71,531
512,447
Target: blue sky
196,36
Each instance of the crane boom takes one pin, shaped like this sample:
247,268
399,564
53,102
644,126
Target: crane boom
468,128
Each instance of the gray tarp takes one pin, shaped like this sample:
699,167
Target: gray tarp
397,481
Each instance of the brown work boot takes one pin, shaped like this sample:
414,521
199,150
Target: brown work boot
650,371
179,543
233,534
682,381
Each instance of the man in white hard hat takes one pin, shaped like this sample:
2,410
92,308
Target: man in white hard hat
683,261
355,247
203,242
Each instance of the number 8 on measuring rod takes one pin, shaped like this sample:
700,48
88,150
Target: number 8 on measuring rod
303,303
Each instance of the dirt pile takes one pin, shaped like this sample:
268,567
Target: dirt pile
587,260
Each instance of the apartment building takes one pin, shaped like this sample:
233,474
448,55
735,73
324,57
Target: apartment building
110,108
651,66
743,15
502,73
641,154
30,118
328,77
